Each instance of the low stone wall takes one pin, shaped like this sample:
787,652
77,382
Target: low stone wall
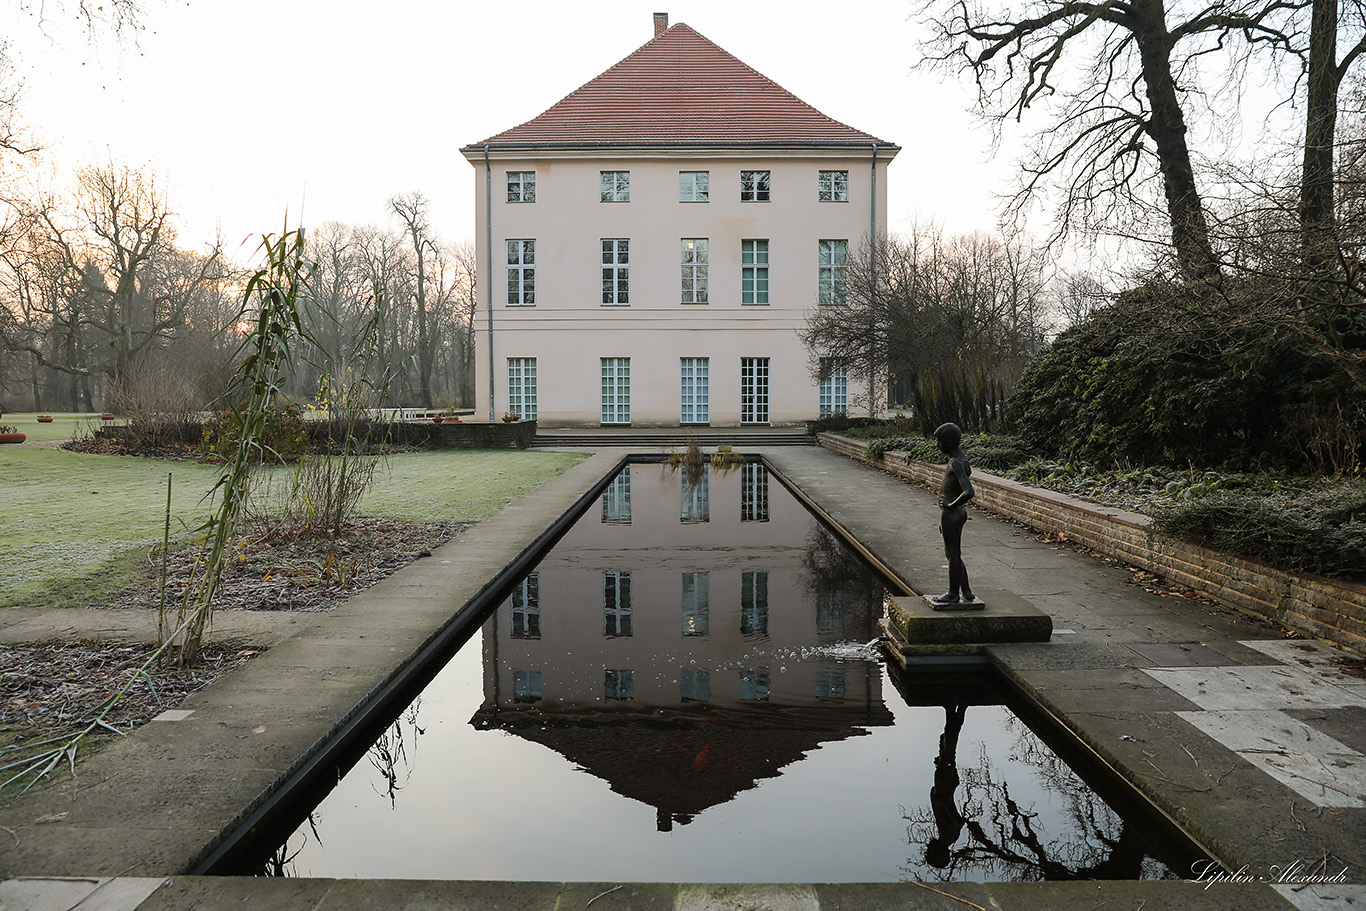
1326,608
467,434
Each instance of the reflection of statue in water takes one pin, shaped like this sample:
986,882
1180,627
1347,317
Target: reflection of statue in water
954,493
947,820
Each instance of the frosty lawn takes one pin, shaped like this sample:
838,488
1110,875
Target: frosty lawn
74,527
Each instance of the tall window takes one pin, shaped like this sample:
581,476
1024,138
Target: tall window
694,255
693,186
834,388
754,186
521,186
833,186
616,603
616,272
694,685
526,608
829,683
521,273
753,492
618,684
754,604
694,392
754,390
616,499
694,496
754,684
696,604
754,272
526,686
522,387
616,186
616,390
833,271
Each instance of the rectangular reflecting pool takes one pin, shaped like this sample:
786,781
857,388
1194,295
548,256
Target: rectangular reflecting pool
682,690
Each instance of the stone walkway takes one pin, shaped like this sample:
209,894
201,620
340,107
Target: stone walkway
1251,742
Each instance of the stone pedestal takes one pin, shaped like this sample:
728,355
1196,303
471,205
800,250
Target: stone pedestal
916,622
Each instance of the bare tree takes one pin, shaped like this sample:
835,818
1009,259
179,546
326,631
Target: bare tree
1114,72
411,210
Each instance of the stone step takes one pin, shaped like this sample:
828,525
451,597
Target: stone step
673,438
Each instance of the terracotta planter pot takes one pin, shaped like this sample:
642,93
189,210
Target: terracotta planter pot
437,420
13,437
45,420
106,417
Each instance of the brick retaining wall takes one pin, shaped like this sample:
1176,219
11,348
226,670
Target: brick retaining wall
1321,607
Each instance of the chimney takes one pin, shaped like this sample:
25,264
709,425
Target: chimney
661,23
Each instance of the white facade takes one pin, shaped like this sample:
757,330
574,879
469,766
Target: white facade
568,330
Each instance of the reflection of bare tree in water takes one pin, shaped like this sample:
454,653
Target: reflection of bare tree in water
835,571
1005,840
389,753
281,862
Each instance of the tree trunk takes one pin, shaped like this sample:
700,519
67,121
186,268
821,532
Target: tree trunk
1167,128
1317,220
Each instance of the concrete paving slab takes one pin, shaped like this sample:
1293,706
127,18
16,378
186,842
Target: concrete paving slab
123,893
1314,656
215,893
1182,654
1314,765
1342,897
902,895
1268,687
618,896
1347,725
762,897
1147,896
1069,654
417,895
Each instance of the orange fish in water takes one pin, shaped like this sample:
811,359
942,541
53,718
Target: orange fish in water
701,757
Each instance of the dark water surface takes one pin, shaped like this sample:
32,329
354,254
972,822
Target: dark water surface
679,692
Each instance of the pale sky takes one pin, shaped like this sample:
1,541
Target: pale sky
249,108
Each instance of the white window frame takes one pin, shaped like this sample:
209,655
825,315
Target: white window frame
615,186
694,497
521,186
616,272
694,390
693,256
696,604
753,492
526,607
694,186
616,604
754,273
756,186
754,390
616,390
832,272
522,387
832,186
521,266
834,386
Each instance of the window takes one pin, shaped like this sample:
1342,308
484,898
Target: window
754,684
526,608
829,683
616,604
694,685
617,684
526,686
834,387
754,186
616,272
521,186
694,254
522,387
833,186
754,272
693,186
753,390
616,390
694,496
616,186
753,492
832,271
696,601
694,392
616,499
754,604
521,273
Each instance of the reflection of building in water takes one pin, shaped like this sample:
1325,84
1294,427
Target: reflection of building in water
657,645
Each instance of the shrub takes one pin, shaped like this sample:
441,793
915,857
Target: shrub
1319,531
284,438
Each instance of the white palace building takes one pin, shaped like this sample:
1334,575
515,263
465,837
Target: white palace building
656,239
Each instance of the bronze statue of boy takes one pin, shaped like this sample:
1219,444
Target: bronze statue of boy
954,493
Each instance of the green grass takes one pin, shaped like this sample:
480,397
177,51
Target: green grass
62,428
74,527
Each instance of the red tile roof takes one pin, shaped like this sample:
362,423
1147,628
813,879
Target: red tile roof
680,89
